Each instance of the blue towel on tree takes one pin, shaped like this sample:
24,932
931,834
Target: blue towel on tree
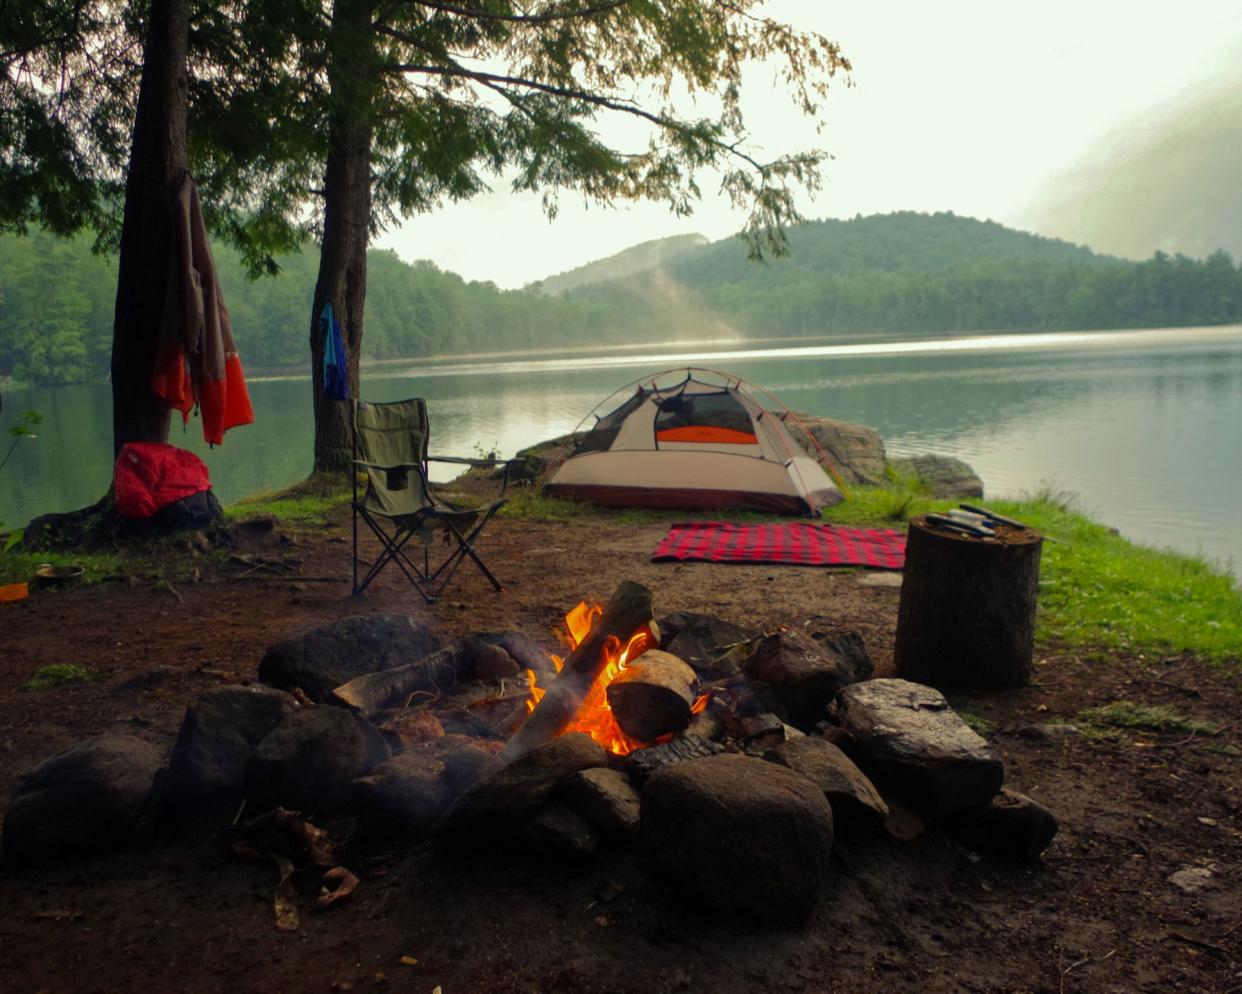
335,361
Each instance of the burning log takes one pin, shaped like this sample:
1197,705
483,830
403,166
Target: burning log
628,611
652,696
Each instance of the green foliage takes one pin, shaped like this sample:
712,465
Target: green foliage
1141,717
898,502
18,565
917,274
974,721
1096,588
308,503
533,506
418,310
62,675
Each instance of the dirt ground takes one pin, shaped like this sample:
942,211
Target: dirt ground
1098,914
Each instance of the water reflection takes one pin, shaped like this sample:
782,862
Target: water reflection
1145,426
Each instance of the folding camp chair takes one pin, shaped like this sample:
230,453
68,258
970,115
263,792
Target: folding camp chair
390,447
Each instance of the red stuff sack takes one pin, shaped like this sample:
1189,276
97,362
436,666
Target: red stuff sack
150,475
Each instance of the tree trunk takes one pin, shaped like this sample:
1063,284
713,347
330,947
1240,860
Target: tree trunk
157,157
967,612
342,278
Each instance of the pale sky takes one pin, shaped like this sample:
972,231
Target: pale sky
974,107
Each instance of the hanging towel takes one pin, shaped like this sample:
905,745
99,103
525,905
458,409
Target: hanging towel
197,361
335,361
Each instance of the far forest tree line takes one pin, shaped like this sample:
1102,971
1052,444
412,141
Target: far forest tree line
901,273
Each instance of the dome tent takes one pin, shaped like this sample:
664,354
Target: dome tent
704,442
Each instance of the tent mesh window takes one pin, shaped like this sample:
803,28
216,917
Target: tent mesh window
601,437
704,417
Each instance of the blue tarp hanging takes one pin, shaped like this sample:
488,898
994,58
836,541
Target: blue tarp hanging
335,361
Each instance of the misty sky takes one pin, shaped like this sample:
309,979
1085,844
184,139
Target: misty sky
981,108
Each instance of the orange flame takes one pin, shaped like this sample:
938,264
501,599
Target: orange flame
594,716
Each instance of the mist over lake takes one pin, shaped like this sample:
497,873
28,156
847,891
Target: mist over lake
1144,427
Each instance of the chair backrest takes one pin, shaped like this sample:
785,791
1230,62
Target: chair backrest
393,434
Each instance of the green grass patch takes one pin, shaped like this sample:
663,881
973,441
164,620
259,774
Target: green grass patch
307,503
975,722
62,675
1127,715
1097,589
534,506
18,565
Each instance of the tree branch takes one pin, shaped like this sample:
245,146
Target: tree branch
486,15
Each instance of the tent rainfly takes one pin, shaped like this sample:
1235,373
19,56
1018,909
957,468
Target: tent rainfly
695,444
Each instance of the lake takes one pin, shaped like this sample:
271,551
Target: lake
1145,427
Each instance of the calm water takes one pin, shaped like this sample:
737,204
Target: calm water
1145,427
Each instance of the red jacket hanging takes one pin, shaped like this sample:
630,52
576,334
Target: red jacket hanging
197,361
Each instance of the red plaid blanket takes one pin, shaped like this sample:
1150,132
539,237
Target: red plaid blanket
790,543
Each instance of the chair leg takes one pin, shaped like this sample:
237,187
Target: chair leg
393,550
464,549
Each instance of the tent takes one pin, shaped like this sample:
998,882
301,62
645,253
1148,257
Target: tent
704,442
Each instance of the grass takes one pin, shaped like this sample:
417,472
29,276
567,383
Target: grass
306,504
18,565
62,675
1126,715
1097,589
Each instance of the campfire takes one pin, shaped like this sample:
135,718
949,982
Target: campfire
595,717
704,744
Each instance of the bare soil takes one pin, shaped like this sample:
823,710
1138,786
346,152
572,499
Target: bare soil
1098,914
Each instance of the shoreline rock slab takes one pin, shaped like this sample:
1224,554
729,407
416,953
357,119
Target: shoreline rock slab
906,735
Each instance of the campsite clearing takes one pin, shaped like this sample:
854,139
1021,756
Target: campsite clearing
1104,911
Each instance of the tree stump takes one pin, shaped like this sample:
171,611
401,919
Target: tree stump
967,612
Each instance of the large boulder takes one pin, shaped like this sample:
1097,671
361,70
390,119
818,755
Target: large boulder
738,834
856,805
310,760
218,737
806,674
412,789
906,735
324,658
504,800
948,477
855,451
86,800
1010,825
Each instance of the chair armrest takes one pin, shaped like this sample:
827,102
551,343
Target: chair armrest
464,461
461,461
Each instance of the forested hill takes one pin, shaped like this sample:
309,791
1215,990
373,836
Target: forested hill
900,273
917,273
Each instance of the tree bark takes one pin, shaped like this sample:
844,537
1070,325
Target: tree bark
342,280
157,157
967,612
